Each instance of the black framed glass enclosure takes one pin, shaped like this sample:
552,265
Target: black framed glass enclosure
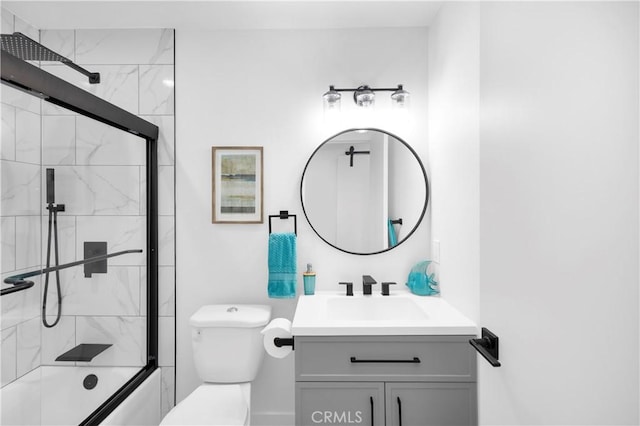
123,230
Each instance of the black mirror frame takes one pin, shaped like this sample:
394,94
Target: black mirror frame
424,174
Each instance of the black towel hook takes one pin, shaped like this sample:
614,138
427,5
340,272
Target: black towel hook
284,214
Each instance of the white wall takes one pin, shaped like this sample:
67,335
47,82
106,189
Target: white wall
559,211
557,205
454,55
264,88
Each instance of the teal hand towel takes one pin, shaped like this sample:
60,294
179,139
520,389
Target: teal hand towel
282,266
393,239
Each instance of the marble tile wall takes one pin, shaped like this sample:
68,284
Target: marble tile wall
100,177
20,222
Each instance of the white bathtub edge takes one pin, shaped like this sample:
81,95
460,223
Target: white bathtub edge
142,407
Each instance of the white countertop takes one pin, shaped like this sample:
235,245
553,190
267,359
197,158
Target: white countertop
401,313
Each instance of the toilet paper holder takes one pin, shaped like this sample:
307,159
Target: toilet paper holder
280,342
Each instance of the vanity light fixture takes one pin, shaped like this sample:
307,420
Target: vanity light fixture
364,96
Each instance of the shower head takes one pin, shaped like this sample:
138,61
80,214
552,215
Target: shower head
22,47
51,192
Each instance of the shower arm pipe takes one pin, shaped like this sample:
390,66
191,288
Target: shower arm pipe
19,282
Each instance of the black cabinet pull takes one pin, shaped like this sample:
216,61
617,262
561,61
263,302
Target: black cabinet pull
399,412
414,360
371,400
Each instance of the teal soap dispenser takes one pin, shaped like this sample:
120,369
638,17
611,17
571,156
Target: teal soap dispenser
309,279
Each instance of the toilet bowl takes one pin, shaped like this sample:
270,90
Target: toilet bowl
213,404
227,353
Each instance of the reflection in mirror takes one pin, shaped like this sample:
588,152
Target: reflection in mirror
364,191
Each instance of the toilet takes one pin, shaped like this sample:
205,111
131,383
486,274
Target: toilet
228,352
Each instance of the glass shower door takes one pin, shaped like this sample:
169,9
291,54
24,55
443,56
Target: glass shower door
100,339
84,208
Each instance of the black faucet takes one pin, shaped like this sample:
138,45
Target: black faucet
367,282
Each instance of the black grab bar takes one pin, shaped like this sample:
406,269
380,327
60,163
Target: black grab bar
17,286
19,283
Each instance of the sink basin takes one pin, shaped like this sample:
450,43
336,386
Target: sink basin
401,314
374,309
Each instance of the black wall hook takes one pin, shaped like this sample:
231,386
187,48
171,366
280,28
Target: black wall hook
487,345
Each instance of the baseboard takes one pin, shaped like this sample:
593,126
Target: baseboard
273,419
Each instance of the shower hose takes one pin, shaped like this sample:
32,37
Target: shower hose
53,217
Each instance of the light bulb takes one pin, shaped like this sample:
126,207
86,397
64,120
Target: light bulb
400,98
364,97
331,100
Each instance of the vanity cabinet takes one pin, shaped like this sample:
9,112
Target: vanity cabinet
385,380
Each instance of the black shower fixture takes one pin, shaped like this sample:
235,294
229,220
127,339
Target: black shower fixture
52,228
22,47
352,151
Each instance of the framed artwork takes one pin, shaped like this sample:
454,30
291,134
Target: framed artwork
237,184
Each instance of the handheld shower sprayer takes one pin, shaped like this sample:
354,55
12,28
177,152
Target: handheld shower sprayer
53,226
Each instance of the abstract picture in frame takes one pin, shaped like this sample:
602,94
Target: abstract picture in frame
237,184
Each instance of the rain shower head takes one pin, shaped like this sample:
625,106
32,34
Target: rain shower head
27,49
22,47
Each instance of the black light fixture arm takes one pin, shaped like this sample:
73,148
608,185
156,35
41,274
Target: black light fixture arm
374,89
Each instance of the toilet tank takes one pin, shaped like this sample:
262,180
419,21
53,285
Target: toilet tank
227,344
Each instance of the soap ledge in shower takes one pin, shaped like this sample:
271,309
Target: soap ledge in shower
83,352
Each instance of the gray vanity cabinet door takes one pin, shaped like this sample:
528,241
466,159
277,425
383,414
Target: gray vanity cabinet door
339,403
431,404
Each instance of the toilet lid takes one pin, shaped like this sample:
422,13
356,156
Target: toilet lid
210,405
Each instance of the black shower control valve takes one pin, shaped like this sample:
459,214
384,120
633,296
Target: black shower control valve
92,249
385,288
349,288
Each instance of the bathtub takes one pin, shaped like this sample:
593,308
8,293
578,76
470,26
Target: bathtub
56,395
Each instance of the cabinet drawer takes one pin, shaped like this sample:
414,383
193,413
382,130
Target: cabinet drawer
385,358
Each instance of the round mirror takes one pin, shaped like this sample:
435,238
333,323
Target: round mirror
364,191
